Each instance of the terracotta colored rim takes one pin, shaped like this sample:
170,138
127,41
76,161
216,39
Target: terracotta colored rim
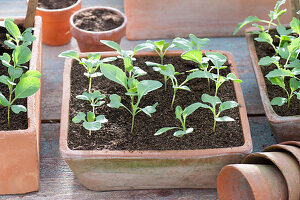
286,163
31,101
295,151
292,143
59,10
99,8
271,115
170,154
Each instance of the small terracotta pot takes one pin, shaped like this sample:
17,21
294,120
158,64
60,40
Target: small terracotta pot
292,143
20,149
284,128
251,182
56,26
286,163
295,151
89,41
104,170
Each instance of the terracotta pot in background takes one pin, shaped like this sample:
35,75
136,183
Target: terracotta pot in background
284,128
56,26
153,19
286,163
251,182
89,41
20,149
295,151
128,170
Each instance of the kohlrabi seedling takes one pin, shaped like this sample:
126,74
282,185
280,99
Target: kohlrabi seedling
181,115
193,43
20,84
93,122
274,15
214,101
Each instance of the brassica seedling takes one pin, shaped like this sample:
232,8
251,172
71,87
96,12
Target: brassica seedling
20,84
194,43
214,101
181,115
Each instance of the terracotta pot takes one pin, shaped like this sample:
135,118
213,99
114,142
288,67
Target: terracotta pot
20,149
284,128
178,18
56,26
292,143
251,182
286,163
295,151
89,41
127,170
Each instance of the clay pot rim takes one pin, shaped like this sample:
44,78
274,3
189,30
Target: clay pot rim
117,29
271,115
60,9
67,153
32,66
284,148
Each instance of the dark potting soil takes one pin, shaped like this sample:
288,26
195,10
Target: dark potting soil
263,49
17,121
98,20
115,135
55,4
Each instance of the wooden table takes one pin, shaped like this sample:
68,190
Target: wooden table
58,182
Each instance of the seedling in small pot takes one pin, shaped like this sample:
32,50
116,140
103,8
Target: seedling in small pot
181,115
20,85
214,101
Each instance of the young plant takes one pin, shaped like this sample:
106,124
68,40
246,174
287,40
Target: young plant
160,47
214,101
20,84
274,15
128,79
193,43
181,115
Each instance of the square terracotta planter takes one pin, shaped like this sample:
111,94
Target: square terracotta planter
104,170
286,128
20,149
153,19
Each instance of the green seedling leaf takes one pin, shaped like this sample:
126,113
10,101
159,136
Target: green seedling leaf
79,117
216,58
143,46
280,72
101,119
193,55
294,84
248,20
138,71
163,130
5,80
3,100
114,73
213,100
10,44
182,88
264,37
277,81
12,28
294,46
5,57
90,116
18,108
278,4
70,54
283,31
266,61
182,133
146,86
108,59
112,45
31,73
115,101
169,70
15,72
149,109
294,64
191,108
99,103
96,56
199,74
227,105
28,37
197,42
295,25
297,94
92,126
283,51
224,119
178,112
232,77
21,55
183,44
278,101
27,87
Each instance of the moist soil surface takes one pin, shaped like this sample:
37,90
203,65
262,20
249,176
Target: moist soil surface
98,20
17,121
115,135
263,49
55,4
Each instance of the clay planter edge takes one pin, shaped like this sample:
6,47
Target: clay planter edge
56,26
20,149
104,170
177,18
285,128
89,41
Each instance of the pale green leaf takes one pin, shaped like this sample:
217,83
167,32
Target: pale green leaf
27,87
79,117
163,130
149,109
115,101
18,108
146,86
114,73
278,101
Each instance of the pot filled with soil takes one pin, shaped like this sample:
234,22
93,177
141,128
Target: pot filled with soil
56,15
130,148
20,106
276,63
90,25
